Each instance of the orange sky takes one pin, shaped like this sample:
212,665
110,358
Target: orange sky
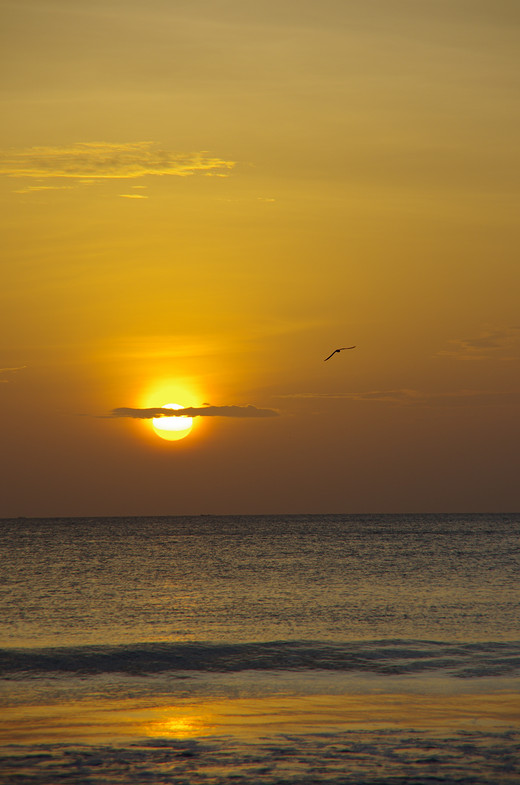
201,200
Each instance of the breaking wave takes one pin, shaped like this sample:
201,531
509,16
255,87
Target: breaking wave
394,657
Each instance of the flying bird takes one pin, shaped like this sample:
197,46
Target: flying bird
338,350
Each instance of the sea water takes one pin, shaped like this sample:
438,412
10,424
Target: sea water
261,649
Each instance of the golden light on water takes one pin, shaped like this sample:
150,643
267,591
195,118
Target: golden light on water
175,725
89,720
172,428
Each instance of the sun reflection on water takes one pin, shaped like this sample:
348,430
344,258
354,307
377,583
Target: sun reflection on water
177,725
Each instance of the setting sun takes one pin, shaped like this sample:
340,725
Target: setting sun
172,428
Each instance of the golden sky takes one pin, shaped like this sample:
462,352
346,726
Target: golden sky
201,199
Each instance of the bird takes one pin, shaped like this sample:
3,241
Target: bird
338,350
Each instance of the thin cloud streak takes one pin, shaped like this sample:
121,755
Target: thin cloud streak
103,161
406,397
194,411
13,369
498,342
30,189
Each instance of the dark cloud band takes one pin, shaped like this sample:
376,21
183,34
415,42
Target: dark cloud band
194,411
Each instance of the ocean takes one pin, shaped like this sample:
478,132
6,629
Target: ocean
367,649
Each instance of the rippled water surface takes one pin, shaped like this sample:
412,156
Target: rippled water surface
365,649
259,578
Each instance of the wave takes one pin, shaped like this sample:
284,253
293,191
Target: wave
394,657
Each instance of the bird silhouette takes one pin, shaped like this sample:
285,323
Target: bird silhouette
338,350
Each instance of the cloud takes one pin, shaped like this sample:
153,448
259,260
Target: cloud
501,342
10,370
194,411
407,397
133,196
29,189
384,396
101,160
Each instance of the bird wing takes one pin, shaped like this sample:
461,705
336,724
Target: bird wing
331,355
338,350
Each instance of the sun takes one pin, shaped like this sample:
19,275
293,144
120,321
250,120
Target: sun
172,428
